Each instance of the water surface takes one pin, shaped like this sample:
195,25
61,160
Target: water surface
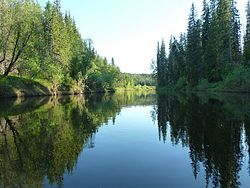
126,140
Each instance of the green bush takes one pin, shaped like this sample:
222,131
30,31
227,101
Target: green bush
237,80
181,83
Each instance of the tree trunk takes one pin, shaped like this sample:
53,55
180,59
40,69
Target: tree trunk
7,71
16,53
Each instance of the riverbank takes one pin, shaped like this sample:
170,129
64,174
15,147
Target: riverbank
14,87
238,81
135,88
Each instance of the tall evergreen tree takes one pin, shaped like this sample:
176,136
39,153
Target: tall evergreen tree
219,43
224,16
213,6
211,47
194,49
206,19
235,33
176,59
161,63
246,52
112,62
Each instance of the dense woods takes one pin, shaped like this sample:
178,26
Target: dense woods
45,44
210,55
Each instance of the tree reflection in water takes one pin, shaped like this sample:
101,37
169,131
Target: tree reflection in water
215,128
43,137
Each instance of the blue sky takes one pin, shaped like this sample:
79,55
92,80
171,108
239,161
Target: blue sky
128,30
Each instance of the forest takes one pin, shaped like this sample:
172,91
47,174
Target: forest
44,45
213,55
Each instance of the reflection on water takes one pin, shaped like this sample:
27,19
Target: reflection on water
215,128
49,141
43,137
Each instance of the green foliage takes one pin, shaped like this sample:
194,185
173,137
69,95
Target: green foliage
246,51
210,54
203,85
237,80
181,83
102,76
46,44
161,63
129,79
194,62
14,86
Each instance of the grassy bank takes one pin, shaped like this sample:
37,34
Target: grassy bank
16,87
12,86
135,88
237,81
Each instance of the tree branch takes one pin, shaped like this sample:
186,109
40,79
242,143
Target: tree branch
16,54
5,45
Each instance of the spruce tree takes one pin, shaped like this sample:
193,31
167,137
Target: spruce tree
246,52
161,63
112,62
206,18
235,33
219,53
213,6
176,60
172,61
224,25
194,50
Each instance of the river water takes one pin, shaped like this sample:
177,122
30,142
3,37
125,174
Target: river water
126,140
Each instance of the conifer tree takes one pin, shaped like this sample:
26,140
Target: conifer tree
194,50
176,60
246,52
112,62
224,16
235,33
206,19
161,63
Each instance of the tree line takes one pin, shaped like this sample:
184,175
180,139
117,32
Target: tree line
44,43
210,51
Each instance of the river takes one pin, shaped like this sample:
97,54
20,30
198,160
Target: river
126,140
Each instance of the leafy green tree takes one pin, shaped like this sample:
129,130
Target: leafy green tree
46,44
18,23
